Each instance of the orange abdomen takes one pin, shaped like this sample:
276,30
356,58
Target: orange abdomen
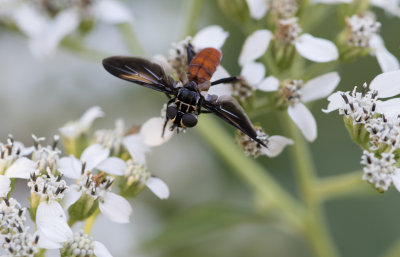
204,64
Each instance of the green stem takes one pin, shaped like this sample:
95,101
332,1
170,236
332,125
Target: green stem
394,250
193,12
339,185
316,229
90,222
130,38
250,171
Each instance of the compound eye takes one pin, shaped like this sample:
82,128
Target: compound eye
189,120
171,112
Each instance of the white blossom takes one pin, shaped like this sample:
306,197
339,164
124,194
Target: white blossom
294,94
73,129
46,24
362,105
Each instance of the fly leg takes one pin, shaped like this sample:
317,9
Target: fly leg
190,53
226,80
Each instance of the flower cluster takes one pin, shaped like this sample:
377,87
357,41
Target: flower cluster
46,23
95,162
375,125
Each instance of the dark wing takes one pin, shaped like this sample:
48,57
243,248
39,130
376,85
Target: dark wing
228,109
140,71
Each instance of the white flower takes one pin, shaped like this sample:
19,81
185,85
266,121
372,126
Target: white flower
384,85
52,224
211,36
275,144
82,244
363,33
95,157
380,172
294,94
137,176
21,244
45,29
76,128
279,8
12,162
311,48
12,216
150,135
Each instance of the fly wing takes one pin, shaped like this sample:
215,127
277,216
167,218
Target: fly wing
228,109
140,71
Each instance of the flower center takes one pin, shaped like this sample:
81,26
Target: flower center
48,186
251,147
21,244
12,216
378,171
290,91
81,245
287,31
95,185
360,29
360,107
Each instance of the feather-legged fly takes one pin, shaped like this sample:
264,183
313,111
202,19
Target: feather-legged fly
185,102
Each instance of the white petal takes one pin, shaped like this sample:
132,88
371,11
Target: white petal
71,196
55,30
5,183
50,209
94,155
390,6
253,72
89,116
396,179
335,102
220,89
387,84
257,8
269,84
255,46
320,87
47,243
386,60
116,208
391,107
70,167
211,36
316,49
158,187
112,165
136,148
100,250
304,120
21,168
110,11
52,222
276,144
29,20
151,132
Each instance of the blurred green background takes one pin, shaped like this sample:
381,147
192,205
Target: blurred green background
211,212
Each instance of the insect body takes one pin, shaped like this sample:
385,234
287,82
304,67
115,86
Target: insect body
186,102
